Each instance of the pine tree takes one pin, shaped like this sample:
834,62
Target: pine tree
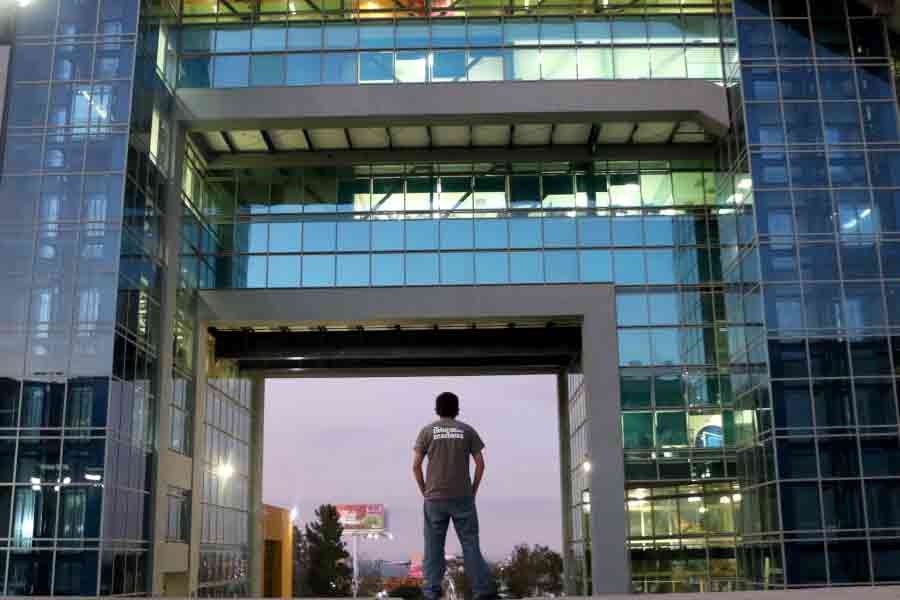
300,582
327,574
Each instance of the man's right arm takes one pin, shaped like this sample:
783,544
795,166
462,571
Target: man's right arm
417,470
479,471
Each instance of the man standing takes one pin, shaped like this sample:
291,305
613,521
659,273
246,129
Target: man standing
449,494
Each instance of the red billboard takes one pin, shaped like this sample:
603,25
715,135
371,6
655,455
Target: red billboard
361,517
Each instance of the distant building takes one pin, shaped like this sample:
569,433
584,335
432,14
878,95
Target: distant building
278,564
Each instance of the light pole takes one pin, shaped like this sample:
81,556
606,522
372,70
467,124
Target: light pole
369,535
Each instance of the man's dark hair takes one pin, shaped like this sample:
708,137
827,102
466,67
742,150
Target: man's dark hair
447,405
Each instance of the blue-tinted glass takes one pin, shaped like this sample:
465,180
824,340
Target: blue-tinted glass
593,31
341,35
252,237
73,62
760,83
634,347
76,570
491,233
353,270
518,33
561,32
805,562
838,457
881,455
485,33
526,267
764,124
561,266
828,358
665,30
353,236
387,235
39,19
864,305
525,233
875,402
304,69
792,38
595,266
663,308
837,82
31,63
376,67
774,214
318,270
197,39
491,267
791,403
449,66
284,271
631,308
858,258
814,212
665,346
412,35
802,122
848,562
235,39
841,123
28,105
798,83
629,30
809,169
231,71
195,72
319,237
883,500
752,8
457,268
267,70
303,36
661,267
422,234
387,269
422,268
559,232
868,38
885,168
448,35
77,17
870,356
457,234
284,237
769,170
252,270
524,191
268,37
890,258
629,266
376,36
880,121
113,61
784,307
627,231
755,39
800,501
886,560
593,231
823,306
818,262
875,82
339,67
847,169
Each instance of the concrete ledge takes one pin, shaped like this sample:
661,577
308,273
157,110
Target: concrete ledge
457,103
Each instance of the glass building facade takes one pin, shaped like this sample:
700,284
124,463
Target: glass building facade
757,288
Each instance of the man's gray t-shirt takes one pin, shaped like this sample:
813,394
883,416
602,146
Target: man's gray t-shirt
448,444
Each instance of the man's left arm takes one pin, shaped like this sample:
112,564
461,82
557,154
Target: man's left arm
418,458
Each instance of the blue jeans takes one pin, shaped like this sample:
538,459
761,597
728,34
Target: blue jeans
438,514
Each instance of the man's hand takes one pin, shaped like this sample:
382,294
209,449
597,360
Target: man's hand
417,470
479,472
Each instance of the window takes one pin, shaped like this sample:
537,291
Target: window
179,515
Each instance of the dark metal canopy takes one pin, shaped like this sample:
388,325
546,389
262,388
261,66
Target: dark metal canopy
546,348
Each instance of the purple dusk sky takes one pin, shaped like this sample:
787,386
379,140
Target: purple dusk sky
348,441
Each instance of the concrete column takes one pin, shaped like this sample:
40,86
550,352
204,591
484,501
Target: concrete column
257,517
610,564
201,367
565,480
170,467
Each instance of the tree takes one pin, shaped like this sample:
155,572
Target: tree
327,574
300,583
535,571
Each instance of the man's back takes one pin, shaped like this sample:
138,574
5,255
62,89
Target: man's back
448,444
